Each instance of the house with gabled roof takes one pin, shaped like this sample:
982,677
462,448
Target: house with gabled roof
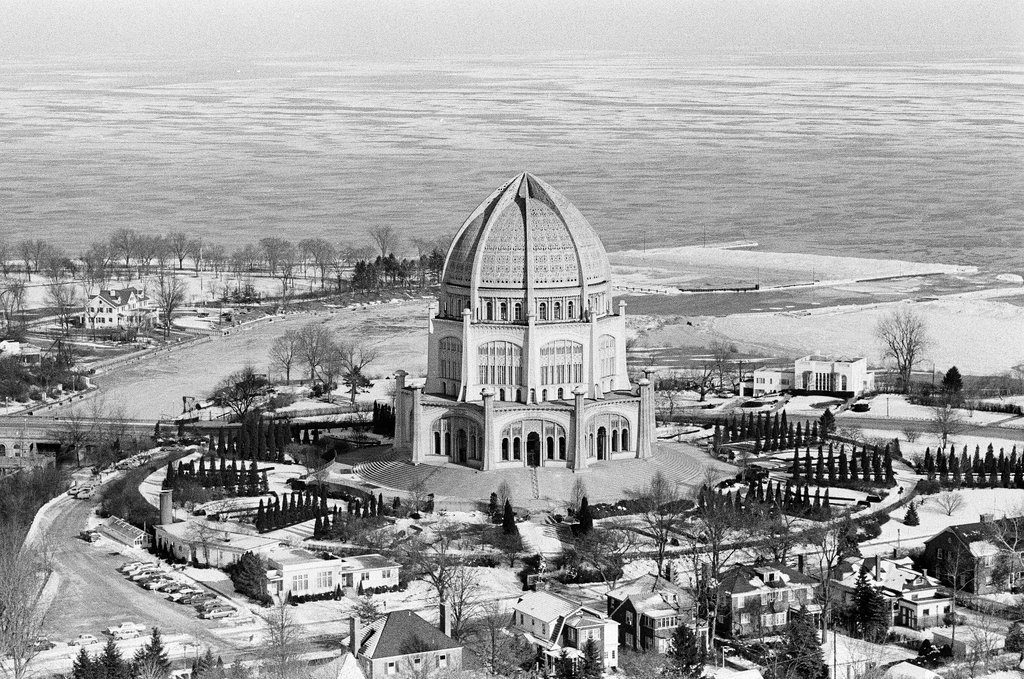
759,599
552,624
914,598
401,644
122,309
981,557
648,611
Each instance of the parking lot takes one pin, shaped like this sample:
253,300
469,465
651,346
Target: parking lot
91,595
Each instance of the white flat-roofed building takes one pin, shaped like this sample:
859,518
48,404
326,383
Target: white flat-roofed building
833,375
211,543
298,572
772,380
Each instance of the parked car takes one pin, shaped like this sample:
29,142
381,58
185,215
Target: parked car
84,640
121,635
147,573
171,587
43,644
131,565
158,583
147,568
126,627
218,612
89,535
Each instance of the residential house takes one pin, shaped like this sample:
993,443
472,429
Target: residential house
121,309
298,572
553,623
402,644
980,557
838,376
22,352
914,598
759,599
770,380
648,610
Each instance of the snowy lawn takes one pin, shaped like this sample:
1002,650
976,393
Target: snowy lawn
811,405
896,406
997,501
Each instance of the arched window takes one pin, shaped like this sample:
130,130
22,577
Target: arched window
625,439
504,449
501,394
517,312
437,443
517,448
844,383
450,355
570,315
561,393
533,396
606,355
500,363
558,311
561,447
551,447
519,395
615,441
447,443
561,362
490,311
542,311
504,311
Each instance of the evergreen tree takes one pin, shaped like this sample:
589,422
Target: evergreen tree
844,466
870,610
592,666
84,667
565,667
801,655
508,520
952,382
249,576
110,664
153,657
828,422
911,518
585,517
685,656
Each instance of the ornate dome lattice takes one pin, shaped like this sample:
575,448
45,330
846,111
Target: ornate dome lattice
526,230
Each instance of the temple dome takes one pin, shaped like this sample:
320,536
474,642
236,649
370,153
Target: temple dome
526,231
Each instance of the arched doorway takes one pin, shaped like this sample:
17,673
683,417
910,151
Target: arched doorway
461,445
602,443
533,450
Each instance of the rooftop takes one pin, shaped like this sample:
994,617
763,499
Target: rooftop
402,633
545,605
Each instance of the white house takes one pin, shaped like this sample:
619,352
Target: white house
301,573
24,353
833,375
118,310
552,623
772,380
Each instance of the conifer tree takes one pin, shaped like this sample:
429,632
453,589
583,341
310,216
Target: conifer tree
802,656
111,664
911,518
592,666
844,467
854,472
508,520
870,610
685,656
585,517
152,658
84,667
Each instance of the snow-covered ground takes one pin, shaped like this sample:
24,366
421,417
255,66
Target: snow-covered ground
896,406
675,266
996,501
811,405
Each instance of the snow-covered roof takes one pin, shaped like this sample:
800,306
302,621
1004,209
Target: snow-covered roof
905,670
545,606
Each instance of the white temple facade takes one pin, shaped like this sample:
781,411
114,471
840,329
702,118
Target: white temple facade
526,357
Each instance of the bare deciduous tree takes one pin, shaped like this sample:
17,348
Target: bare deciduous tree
285,351
283,645
64,299
181,245
661,510
314,341
949,502
436,560
23,571
170,295
904,338
385,237
463,599
947,421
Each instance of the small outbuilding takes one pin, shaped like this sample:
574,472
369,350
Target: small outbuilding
125,533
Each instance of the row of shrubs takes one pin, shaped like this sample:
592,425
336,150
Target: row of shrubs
339,592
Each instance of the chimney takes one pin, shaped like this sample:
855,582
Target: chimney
878,567
445,621
800,562
354,633
166,514
986,518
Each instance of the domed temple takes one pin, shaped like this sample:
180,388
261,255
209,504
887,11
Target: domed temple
527,351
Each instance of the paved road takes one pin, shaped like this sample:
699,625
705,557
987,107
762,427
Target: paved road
93,596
